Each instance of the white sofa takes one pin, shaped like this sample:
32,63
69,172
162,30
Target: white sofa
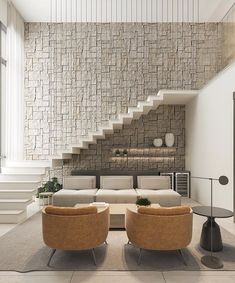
76,189
158,190
116,189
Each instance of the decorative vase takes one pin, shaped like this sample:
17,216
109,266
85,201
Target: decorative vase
169,139
157,142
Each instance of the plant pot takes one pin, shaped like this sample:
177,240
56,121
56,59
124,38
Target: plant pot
157,142
169,139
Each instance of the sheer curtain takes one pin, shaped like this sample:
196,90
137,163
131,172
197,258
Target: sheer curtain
14,100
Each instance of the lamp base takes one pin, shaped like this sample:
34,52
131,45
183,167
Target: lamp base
211,262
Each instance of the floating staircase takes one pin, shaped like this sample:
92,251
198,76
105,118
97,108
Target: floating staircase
18,185
133,113
20,180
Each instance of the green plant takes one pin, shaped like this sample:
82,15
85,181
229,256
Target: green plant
125,152
50,186
117,152
143,201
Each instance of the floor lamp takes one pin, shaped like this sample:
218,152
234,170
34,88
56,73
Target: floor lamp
210,260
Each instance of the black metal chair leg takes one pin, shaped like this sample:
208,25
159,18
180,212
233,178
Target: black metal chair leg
182,257
139,259
51,255
94,257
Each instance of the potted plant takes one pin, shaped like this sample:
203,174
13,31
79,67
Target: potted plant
117,152
50,186
125,152
143,202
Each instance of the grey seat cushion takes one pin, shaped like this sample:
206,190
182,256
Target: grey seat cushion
117,196
162,197
72,197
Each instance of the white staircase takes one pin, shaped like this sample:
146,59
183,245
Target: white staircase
19,180
18,185
134,113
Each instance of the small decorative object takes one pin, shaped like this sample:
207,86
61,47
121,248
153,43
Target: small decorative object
169,139
125,152
50,186
157,142
143,202
117,152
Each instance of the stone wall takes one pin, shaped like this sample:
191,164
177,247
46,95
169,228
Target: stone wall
137,138
78,76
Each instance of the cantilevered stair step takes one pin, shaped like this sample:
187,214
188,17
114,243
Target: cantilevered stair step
17,194
21,177
12,216
14,204
19,185
24,170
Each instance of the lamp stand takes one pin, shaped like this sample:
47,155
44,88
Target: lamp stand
211,261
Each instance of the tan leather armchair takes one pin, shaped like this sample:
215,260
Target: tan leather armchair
74,228
159,232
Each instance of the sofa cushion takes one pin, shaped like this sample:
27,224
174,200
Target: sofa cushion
165,211
79,182
72,197
116,182
55,210
116,196
154,182
162,197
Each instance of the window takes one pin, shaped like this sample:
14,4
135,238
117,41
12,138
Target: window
3,64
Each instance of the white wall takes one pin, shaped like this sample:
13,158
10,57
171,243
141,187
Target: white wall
123,10
209,138
3,11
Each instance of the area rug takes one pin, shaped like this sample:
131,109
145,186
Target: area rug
22,249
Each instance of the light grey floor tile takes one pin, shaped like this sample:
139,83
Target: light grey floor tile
193,278
35,279
116,277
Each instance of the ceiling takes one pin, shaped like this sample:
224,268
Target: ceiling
123,10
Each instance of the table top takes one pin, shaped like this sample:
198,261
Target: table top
217,212
116,208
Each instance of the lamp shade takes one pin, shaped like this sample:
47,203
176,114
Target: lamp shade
223,180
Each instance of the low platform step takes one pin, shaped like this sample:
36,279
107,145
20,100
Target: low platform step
19,185
15,194
21,177
14,204
12,216
23,170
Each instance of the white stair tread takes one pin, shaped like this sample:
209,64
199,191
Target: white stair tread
11,212
18,182
15,200
17,191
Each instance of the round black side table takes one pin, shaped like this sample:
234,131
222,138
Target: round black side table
217,212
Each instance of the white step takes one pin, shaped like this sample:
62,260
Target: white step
28,163
23,170
12,216
17,194
14,204
21,177
19,185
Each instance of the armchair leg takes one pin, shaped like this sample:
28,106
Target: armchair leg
182,257
139,259
51,255
94,257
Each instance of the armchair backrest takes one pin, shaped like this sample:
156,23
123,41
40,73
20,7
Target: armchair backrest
75,232
157,232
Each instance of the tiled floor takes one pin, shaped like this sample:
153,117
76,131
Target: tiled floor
119,276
